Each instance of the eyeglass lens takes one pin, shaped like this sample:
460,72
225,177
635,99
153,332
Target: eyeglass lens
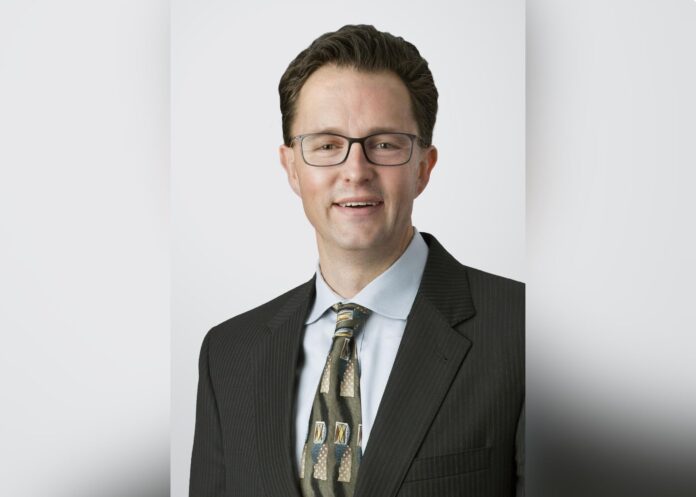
387,149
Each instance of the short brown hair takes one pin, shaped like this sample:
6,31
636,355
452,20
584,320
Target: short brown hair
366,49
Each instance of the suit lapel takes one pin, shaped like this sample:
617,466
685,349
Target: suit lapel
275,388
430,354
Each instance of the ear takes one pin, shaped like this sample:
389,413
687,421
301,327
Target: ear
287,160
425,166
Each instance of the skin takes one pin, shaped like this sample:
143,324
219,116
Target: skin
356,244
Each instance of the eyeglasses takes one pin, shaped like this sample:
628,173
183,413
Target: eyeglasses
381,149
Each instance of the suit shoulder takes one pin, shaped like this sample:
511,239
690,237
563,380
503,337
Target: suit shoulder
444,266
497,297
484,279
495,293
254,318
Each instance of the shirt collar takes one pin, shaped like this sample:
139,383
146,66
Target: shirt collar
390,294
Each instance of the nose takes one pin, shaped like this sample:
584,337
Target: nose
356,168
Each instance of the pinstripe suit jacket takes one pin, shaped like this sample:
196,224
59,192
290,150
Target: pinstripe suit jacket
450,422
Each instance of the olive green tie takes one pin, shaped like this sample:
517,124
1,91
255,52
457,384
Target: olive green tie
332,452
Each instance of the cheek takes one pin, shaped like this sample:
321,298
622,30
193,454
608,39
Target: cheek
314,189
401,188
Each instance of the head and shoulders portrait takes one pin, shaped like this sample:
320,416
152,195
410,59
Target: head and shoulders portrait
393,367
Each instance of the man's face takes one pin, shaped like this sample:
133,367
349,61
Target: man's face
357,104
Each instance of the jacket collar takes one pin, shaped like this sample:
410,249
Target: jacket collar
445,284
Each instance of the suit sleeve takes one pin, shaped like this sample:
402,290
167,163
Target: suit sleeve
207,459
519,454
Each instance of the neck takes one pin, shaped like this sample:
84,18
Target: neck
347,272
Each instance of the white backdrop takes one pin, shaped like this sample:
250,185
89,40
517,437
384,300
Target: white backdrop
230,199
84,249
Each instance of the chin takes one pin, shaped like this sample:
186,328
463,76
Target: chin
357,244
358,241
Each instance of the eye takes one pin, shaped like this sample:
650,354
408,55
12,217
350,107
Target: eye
386,146
324,143
389,142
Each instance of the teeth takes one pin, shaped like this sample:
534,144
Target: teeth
358,204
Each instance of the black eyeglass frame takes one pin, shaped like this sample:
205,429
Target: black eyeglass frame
361,141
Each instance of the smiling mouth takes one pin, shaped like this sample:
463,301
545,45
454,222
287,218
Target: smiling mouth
358,205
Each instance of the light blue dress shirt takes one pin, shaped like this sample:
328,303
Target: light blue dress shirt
390,297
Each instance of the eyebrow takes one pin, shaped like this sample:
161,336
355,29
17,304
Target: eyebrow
371,131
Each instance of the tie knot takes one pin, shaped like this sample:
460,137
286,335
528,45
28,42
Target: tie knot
349,318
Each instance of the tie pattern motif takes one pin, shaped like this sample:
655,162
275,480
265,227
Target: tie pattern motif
332,453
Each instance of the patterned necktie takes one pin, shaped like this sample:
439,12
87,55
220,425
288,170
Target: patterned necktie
332,453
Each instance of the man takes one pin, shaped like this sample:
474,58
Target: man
395,370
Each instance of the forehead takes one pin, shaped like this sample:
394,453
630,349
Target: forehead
353,102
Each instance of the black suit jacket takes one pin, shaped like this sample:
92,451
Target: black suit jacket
450,422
